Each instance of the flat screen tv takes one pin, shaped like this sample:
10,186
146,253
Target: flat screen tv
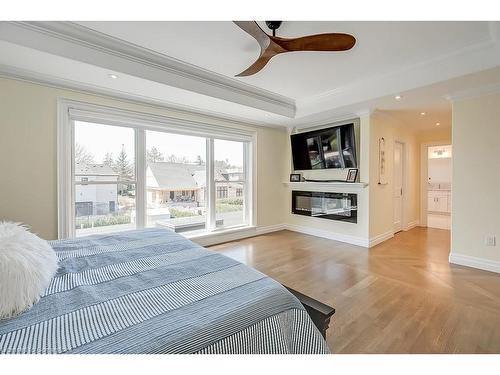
326,148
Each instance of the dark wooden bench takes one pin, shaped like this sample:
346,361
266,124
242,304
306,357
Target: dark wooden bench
319,312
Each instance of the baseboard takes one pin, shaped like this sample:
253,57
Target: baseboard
374,241
381,238
270,228
474,262
236,234
354,240
412,224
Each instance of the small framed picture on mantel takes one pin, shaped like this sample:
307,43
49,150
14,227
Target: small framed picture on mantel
295,177
352,174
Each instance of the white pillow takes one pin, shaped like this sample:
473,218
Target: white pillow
27,264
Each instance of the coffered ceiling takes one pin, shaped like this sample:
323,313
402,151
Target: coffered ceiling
191,66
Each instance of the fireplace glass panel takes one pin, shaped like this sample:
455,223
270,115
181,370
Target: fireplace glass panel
332,206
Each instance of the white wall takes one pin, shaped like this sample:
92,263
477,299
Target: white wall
381,196
439,170
375,220
28,152
476,181
350,232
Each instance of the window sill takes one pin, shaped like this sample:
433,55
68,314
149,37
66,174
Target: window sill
223,235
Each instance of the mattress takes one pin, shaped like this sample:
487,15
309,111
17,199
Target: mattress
154,291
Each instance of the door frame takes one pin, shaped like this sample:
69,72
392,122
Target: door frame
424,168
404,179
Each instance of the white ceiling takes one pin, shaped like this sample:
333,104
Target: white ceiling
435,100
224,48
191,66
20,61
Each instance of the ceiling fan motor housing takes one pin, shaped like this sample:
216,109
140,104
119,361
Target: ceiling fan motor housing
273,25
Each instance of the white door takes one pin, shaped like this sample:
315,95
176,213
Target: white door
398,187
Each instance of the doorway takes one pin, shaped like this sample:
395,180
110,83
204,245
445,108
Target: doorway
398,191
439,172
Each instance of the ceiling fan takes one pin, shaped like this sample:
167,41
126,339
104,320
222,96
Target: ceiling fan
271,45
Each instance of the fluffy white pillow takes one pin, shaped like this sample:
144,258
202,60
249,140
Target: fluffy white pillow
27,264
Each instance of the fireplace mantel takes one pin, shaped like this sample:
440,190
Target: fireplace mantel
327,186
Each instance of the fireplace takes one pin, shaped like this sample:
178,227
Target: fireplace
331,206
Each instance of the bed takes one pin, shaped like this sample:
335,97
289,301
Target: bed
153,291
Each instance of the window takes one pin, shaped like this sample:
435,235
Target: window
124,170
229,179
104,170
176,181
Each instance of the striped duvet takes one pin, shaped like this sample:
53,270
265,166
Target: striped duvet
153,291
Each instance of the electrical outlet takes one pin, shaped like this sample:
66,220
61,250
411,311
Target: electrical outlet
490,241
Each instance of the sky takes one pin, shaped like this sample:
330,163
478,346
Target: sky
99,139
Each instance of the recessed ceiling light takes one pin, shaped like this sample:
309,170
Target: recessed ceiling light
398,97
422,113
438,123
112,76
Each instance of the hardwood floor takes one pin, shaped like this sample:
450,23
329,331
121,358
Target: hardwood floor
401,296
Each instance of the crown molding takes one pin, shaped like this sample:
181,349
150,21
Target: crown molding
61,83
365,112
469,59
83,44
474,93
79,43
329,117
309,125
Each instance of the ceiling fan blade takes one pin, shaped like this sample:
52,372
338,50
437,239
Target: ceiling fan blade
318,42
253,29
257,65
268,48
271,46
